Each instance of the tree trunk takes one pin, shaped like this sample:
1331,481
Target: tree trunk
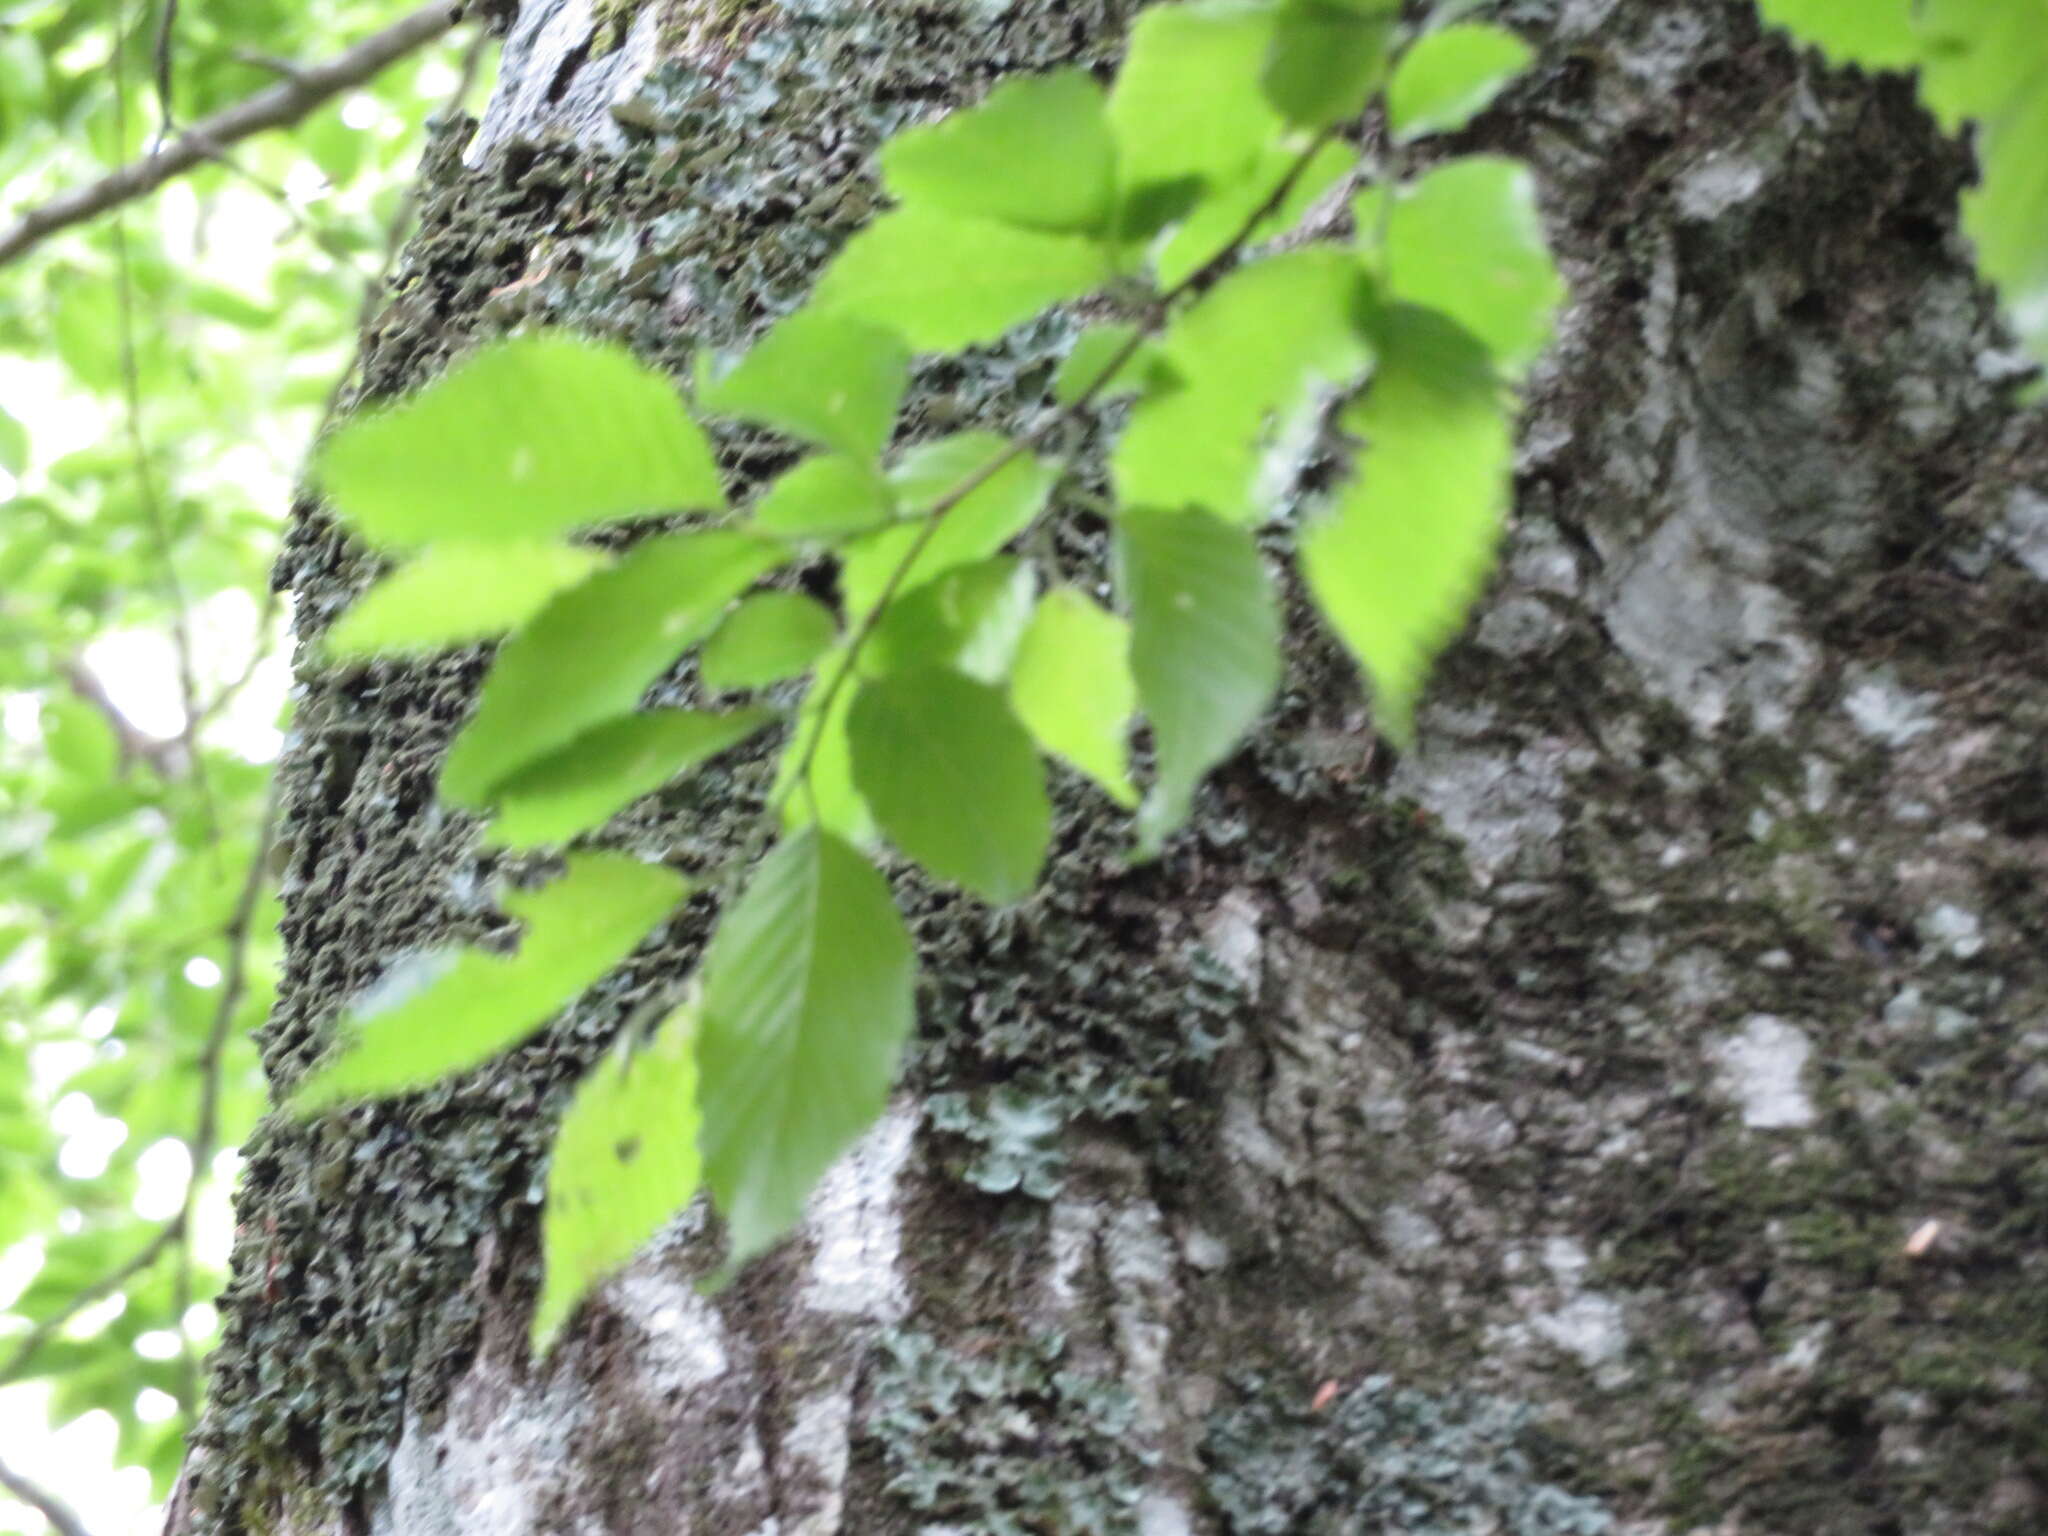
1625,1112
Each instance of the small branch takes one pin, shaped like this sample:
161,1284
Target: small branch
145,475
105,1286
206,1133
135,744
160,54
53,1509
277,107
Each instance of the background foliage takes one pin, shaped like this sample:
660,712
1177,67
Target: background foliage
160,376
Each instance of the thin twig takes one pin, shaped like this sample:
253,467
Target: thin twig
277,106
234,981
45,1503
131,740
261,649
145,474
106,1285
166,23
206,1131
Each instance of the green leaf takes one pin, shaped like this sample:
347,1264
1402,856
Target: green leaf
1987,60
944,282
1250,359
1465,239
1448,77
1326,60
822,497
770,636
970,619
457,594
830,379
827,797
1981,59
952,779
808,998
475,1003
1205,649
1071,685
1037,153
1187,103
984,520
526,438
13,445
1403,554
625,1160
1219,218
584,784
2006,216
1094,350
595,649
1878,34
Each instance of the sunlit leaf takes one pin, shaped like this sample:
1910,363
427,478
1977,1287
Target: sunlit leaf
1448,77
1878,34
770,636
456,594
1399,559
1326,59
1001,505
13,445
808,998
598,774
944,281
595,649
526,438
818,749
952,779
827,378
1187,104
1205,648
1465,238
624,1162
970,619
822,497
1224,215
1248,360
1037,152
1095,350
473,1004
1071,685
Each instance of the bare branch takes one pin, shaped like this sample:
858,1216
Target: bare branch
53,1509
276,107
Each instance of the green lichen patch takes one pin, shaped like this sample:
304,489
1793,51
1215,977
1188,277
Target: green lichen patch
1009,1440
1382,1457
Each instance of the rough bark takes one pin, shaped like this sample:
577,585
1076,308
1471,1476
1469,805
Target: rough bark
1625,1112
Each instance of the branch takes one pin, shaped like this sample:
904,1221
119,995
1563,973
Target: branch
53,1509
277,107
134,743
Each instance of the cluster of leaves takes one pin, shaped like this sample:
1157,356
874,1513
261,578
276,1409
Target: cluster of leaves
156,372
942,677
1981,62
